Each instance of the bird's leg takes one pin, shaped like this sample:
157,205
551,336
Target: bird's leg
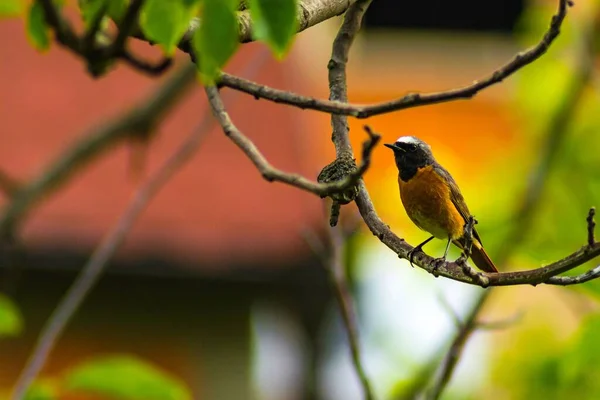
439,261
411,254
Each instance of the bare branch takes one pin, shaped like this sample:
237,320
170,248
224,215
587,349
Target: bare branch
338,91
8,185
114,238
575,280
454,352
98,262
310,13
338,278
591,225
557,129
409,100
140,119
126,26
332,258
269,172
152,69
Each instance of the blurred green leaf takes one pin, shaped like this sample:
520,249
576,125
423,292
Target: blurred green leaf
125,377
116,9
11,321
37,30
165,22
43,390
216,40
275,23
113,8
11,8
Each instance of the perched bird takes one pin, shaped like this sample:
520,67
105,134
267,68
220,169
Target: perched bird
433,200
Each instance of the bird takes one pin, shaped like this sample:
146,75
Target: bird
433,201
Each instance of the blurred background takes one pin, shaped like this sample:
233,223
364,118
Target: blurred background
216,286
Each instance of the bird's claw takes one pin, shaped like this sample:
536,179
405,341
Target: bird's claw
436,263
411,254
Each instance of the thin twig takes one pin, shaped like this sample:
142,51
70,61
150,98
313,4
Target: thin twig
8,185
452,356
332,257
338,91
152,69
557,129
344,301
575,280
109,245
126,27
65,34
98,262
591,225
88,41
267,170
138,119
409,100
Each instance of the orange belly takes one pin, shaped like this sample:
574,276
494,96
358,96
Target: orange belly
426,198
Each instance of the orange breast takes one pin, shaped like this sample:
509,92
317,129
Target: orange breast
426,198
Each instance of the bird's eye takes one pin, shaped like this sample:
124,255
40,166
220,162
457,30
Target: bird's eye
412,147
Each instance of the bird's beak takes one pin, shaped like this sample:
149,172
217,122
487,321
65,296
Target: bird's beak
393,147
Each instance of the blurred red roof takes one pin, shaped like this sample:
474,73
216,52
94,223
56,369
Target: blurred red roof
217,211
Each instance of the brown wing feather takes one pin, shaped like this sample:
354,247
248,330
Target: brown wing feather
478,254
456,196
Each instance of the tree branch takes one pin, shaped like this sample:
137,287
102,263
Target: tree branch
140,119
332,257
452,356
557,129
112,241
310,13
591,224
99,57
409,100
8,185
338,91
271,173
98,262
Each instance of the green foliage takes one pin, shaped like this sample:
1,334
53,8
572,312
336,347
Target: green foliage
11,8
113,8
43,390
275,23
216,40
125,377
559,371
165,22
11,321
37,30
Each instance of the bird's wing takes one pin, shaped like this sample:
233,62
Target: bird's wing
456,196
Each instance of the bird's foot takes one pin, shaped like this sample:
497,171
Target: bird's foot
411,254
436,263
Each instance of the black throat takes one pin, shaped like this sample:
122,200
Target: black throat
409,164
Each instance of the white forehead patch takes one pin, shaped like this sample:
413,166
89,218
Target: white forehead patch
408,139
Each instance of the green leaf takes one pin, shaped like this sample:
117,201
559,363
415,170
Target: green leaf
43,390
11,8
125,377
166,21
11,321
116,9
217,38
37,30
275,23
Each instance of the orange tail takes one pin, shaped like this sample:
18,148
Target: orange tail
481,259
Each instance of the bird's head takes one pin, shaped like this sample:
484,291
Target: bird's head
411,153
